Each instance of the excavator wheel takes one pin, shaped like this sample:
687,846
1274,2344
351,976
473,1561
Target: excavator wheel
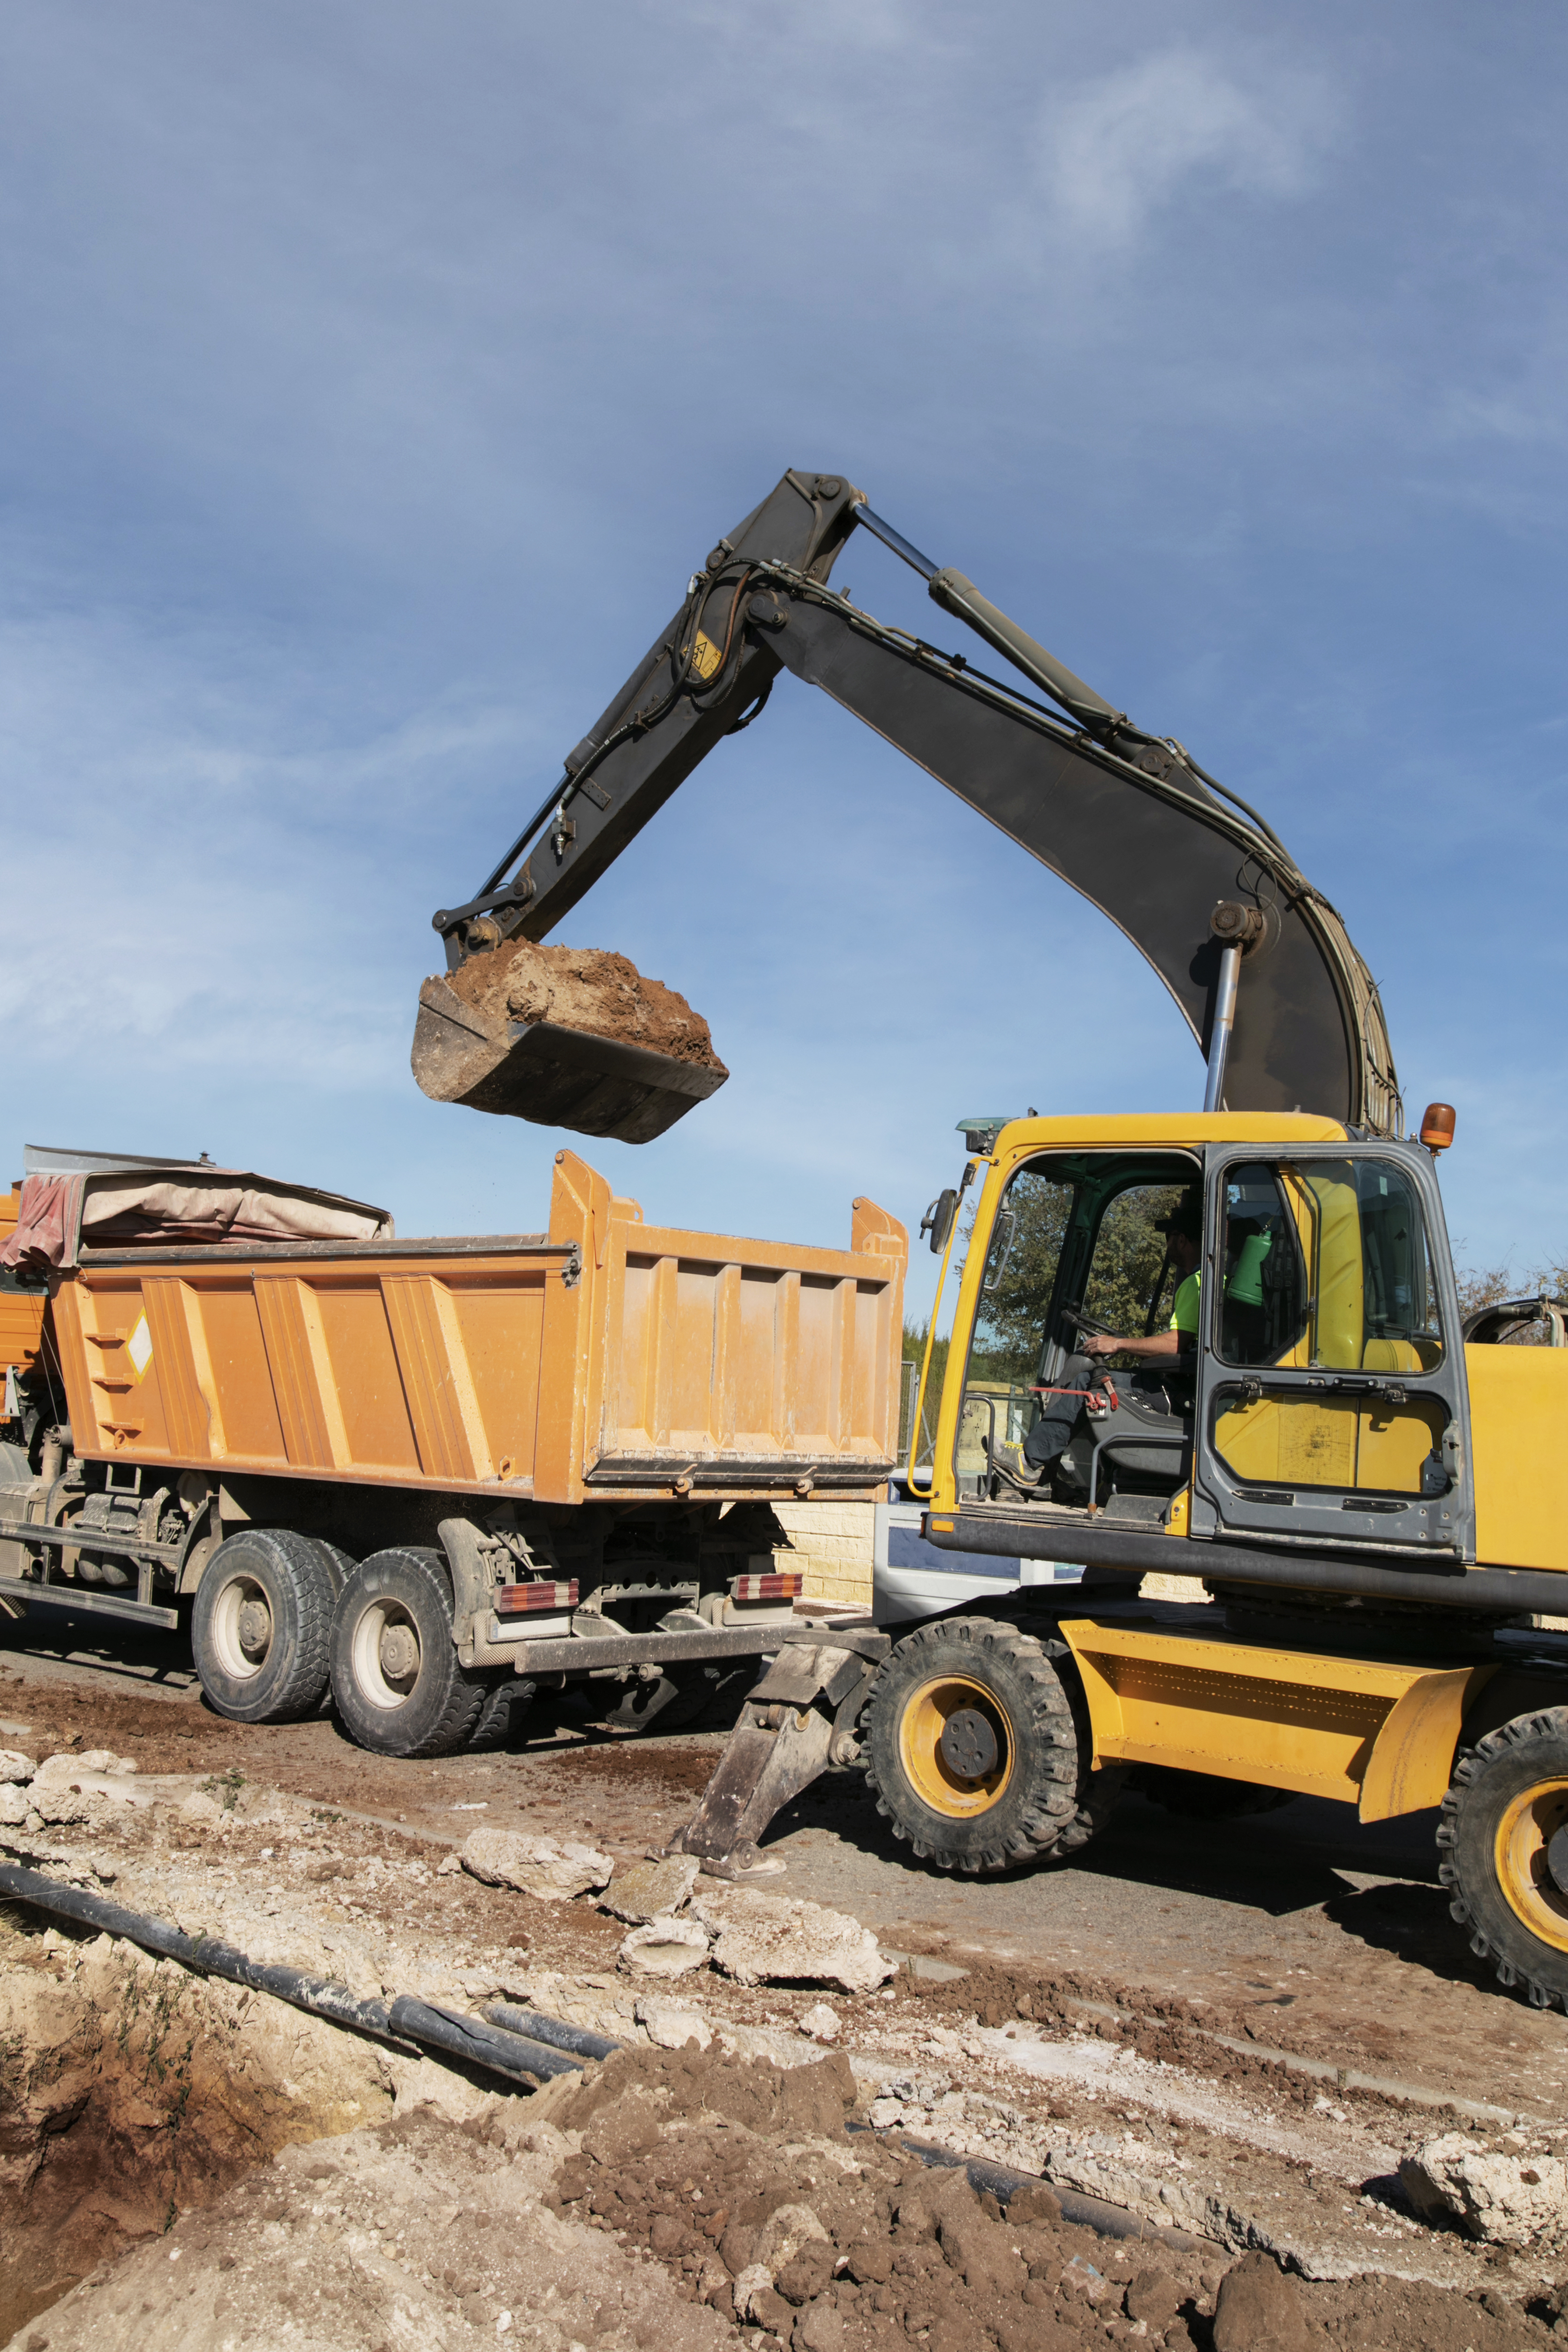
397,1682
973,1751
1503,1836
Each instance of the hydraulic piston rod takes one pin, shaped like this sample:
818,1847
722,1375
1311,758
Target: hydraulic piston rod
1224,1022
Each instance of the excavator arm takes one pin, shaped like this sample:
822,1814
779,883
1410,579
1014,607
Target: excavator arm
1257,960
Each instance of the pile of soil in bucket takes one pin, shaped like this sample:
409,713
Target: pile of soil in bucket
582,988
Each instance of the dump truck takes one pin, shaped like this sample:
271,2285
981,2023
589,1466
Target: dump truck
409,1468
1364,1496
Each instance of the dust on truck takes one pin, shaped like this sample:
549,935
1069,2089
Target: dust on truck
433,1473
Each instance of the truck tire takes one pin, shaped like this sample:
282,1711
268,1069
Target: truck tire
1501,1833
339,1564
396,1679
259,1628
967,1690
503,1711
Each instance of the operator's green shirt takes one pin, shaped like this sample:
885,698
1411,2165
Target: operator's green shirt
1185,1312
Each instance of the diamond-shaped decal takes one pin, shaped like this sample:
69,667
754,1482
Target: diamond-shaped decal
138,1347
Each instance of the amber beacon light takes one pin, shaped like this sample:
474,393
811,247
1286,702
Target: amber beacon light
1438,1125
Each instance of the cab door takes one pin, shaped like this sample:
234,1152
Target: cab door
1332,1399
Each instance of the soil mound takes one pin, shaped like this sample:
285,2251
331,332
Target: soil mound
741,2181
583,988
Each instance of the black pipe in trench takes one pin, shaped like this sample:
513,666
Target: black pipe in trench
404,2020
527,2058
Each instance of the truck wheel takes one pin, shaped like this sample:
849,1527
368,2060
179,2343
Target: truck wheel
397,1678
1503,1835
503,1712
339,1564
973,1753
260,1625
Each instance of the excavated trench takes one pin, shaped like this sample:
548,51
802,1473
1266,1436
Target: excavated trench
131,2091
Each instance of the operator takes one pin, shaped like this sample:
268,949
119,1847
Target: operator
1049,1439
1184,1230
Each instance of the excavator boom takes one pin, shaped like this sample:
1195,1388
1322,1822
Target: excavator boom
1257,960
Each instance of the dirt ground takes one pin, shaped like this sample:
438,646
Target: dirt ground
1232,2033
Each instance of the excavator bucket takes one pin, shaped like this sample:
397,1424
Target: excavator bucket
557,1076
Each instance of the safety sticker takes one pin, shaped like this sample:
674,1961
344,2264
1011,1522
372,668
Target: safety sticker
705,655
138,1347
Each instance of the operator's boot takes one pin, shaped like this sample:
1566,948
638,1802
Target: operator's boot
1009,1469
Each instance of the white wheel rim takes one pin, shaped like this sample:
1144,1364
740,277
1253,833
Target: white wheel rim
386,1654
243,1629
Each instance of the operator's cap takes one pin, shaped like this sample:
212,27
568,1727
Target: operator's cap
1186,1217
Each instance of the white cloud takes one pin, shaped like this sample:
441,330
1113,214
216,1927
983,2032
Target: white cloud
1120,149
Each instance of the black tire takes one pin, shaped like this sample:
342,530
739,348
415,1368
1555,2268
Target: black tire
1205,1796
339,1564
502,1714
399,1687
1039,1798
261,1626
1507,1802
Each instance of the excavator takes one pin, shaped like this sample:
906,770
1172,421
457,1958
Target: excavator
1238,1328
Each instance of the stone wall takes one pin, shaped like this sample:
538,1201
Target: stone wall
833,1544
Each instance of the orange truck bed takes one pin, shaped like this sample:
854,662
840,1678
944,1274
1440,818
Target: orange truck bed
22,1302
607,1360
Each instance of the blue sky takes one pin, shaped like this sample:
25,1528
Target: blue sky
373,376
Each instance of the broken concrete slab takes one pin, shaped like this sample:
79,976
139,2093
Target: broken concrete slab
670,2026
552,1872
1501,2192
15,1766
774,1937
651,1889
665,1947
92,1760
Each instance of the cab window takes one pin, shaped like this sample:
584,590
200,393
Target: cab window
1263,1296
1326,1266
1020,1278
1132,1280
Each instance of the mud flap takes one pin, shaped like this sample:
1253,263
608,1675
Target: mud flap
788,1730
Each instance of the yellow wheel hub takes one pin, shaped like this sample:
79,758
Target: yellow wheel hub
956,1743
1524,1872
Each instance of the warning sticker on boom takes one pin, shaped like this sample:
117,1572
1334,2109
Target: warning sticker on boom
705,656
